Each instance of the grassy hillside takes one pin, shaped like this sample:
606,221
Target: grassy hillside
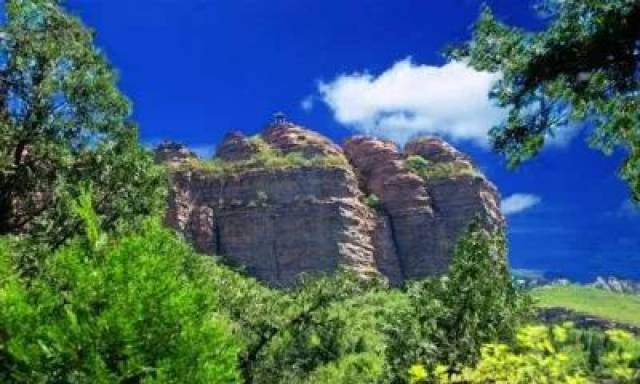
592,301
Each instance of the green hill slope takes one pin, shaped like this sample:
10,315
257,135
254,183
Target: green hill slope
593,301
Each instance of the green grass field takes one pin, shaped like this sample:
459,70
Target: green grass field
592,301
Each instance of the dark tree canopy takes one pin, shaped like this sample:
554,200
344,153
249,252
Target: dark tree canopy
583,68
63,123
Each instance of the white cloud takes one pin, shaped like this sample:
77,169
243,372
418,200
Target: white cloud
519,202
409,98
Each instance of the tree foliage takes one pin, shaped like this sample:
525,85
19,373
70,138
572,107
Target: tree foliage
140,306
320,328
583,68
449,318
63,122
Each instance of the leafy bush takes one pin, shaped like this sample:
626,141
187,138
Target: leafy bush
449,318
372,201
430,170
134,309
540,354
142,307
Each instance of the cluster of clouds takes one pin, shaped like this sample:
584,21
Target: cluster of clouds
407,99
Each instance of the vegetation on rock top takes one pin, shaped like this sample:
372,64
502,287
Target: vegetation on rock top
430,170
265,157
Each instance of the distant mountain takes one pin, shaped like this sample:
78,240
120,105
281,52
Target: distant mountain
610,283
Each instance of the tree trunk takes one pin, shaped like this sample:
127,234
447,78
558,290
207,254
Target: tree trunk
6,213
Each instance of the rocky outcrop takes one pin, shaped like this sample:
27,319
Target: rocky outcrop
236,147
275,223
405,207
436,150
458,193
170,152
281,219
289,137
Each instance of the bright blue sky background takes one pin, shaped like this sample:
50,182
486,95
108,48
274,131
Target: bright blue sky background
198,68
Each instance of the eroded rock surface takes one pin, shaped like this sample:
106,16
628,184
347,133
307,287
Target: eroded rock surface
280,221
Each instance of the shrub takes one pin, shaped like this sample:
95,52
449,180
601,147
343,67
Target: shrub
541,354
132,309
430,170
372,201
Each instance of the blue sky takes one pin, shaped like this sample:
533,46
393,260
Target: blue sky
195,69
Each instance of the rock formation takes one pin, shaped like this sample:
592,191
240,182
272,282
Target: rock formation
171,153
235,147
290,201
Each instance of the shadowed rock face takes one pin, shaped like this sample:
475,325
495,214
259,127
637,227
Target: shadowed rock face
280,222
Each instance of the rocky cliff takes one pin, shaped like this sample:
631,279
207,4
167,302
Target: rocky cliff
290,201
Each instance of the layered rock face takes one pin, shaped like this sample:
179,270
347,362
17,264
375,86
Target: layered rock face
404,225
300,206
457,196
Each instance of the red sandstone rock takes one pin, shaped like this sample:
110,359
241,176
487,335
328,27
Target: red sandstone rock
289,137
235,147
279,223
434,149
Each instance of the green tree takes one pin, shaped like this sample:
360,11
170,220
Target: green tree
63,122
581,69
304,334
138,308
449,318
